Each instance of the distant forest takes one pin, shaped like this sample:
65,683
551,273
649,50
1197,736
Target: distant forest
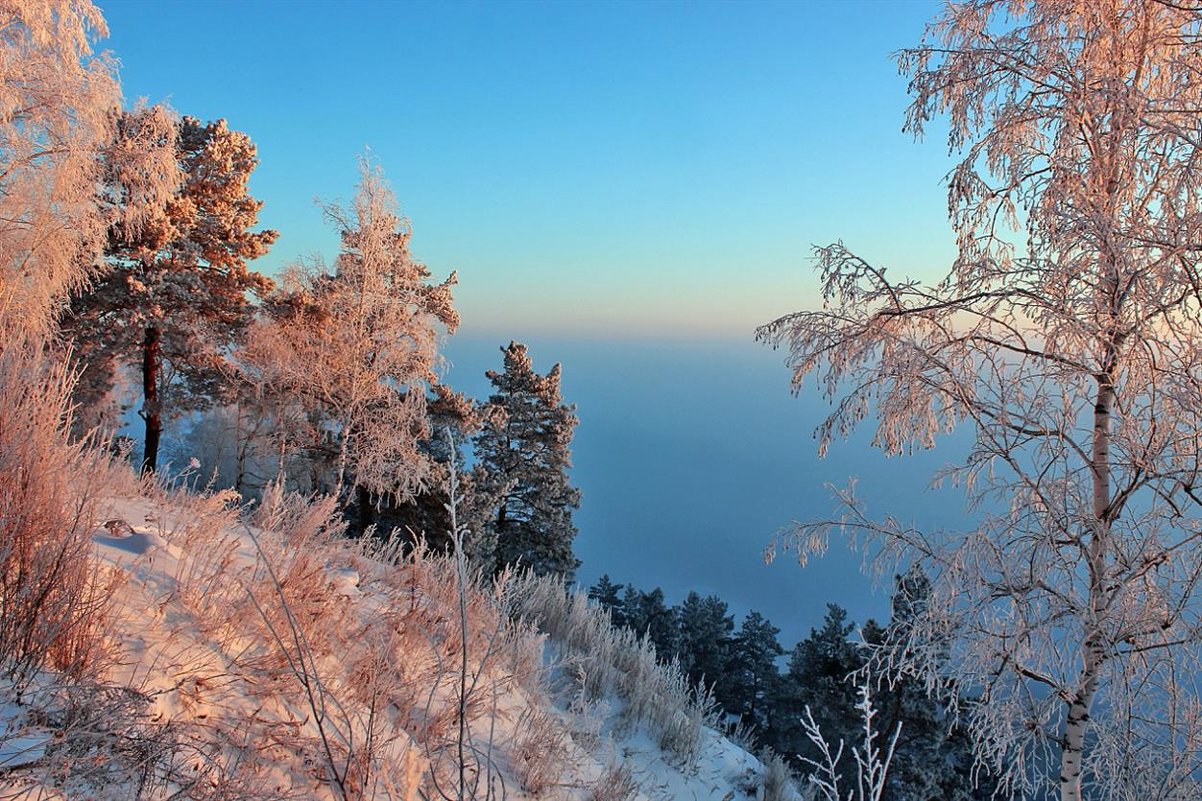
825,676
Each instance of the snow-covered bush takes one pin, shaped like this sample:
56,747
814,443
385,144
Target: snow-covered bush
541,753
295,657
76,735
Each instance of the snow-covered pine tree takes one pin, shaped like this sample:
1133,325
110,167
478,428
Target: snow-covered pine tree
630,604
818,677
175,297
647,614
524,456
932,760
140,175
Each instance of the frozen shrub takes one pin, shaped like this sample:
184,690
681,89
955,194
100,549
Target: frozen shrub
776,779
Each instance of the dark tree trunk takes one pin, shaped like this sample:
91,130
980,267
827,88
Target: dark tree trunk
243,445
501,544
151,411
366,508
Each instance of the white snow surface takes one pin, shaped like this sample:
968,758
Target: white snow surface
193,668
21,741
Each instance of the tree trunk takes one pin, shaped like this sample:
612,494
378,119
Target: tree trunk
241,446
500,545
1073,746
366,508
151,410
343,460
1093,651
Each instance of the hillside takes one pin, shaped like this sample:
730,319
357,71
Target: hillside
263,655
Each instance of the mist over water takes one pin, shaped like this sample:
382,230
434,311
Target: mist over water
692,455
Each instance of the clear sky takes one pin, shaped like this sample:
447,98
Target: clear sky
618,169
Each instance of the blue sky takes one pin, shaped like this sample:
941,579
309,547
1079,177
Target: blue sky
590,169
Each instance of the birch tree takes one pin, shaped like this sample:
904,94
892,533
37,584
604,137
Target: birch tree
1067,338
349,352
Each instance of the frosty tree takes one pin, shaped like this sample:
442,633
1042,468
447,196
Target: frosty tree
175,297
648,615
523,454
55,101
426,514
350,351
1067,337
820,679
605,594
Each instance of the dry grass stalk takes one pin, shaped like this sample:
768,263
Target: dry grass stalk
540,754
655,695
53,599
617,783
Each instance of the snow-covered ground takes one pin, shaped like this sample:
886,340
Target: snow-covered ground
275,659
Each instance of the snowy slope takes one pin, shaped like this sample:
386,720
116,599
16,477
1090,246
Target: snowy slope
275,659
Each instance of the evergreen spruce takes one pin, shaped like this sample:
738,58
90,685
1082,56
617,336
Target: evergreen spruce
631,607
605,593
819,677
704,641
933,759
648,615
751,671
523,454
